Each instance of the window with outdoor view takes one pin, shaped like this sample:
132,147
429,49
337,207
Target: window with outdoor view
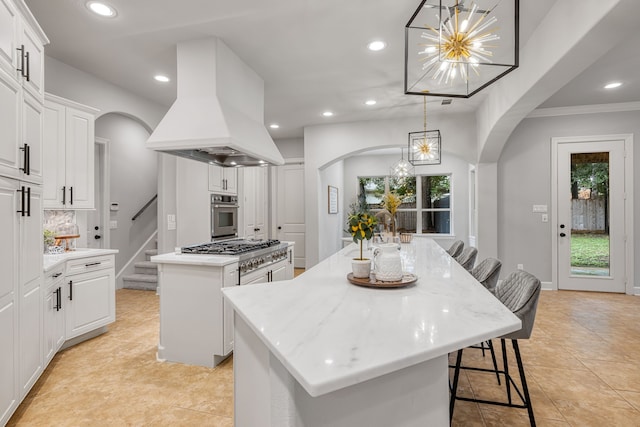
424,202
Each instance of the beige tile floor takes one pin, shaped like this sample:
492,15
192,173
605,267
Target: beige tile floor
581,362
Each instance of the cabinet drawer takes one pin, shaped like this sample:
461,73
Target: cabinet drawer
53,275
84,265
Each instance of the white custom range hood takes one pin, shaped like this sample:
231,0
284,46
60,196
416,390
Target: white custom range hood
218,115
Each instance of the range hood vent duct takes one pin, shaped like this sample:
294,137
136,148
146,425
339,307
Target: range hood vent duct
218,115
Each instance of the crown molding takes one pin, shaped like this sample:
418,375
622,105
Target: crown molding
584,109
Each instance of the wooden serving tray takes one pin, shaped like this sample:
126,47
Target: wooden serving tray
371,282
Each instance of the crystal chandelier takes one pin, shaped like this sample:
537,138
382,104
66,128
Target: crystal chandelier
455,48
424,146
402,169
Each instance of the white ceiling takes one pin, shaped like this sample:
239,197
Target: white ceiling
311,54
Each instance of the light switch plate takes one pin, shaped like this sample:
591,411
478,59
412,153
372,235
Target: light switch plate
545,218
540,208
113,224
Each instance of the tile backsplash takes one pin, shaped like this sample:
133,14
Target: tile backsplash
52,219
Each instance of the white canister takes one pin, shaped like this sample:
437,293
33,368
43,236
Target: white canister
387,262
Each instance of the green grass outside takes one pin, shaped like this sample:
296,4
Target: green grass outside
589,250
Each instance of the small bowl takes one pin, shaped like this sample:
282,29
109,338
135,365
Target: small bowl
405,237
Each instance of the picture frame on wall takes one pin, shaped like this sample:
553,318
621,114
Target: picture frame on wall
333,200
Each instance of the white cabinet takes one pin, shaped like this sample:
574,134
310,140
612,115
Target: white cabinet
9,22
254,202
54,325
223,180
30,285
21,92
89,291
68,169
9,228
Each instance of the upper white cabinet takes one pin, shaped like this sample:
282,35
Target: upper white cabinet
21,92
68,167
223,180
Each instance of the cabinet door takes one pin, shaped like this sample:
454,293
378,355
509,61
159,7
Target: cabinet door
8,312
215,179
230,280
34,62
8,34
90,301
53,153
8,358
53,320
10,108
79,160
32,117
30,337
30,280
260,196
230,180
279,272
31,245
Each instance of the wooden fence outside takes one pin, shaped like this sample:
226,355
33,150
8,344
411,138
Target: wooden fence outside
588,215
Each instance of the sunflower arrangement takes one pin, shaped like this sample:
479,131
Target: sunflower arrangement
361,226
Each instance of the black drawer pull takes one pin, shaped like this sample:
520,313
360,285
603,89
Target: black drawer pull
57,275
91,264
71,290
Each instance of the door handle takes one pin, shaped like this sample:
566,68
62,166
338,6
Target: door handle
64,195
25,168
71,290
22,210
27,72
71,191
562,235
28,201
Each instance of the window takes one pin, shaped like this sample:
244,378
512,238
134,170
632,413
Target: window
425,201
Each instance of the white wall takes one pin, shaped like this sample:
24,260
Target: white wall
331,224
326,144
524,179
68,82
375,165
291,148
133,182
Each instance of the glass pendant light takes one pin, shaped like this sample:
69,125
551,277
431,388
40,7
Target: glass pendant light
402,169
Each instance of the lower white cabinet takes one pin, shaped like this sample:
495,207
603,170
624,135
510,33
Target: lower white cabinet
54,325
89,291
9,396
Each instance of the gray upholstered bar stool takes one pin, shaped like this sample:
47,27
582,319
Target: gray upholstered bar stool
487,273
456,248
467,258
519,292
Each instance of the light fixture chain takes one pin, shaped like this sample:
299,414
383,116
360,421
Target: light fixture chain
425,114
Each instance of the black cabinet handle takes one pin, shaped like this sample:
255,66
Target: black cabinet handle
91,264
22,211
64,195
290,256
21,69
71,191
28,201
71,290
55,276
562,235
58,299
25,157
27,72
28,159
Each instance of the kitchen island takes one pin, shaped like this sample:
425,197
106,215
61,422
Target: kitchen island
318,350
196,325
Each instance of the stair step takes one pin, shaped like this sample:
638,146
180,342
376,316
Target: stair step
140,281
146,267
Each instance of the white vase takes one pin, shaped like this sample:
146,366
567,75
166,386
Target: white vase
388,265
361,268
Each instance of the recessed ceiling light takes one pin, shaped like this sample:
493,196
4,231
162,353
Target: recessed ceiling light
262,162
327,113
233,163
162,79
376,45
371,102
613,85
274,126
102,9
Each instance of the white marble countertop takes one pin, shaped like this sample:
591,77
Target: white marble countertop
197,259
331,334
52,261
194,259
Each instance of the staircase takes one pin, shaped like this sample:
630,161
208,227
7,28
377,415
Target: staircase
145,276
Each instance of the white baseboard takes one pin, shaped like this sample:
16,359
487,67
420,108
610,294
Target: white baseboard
547,286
